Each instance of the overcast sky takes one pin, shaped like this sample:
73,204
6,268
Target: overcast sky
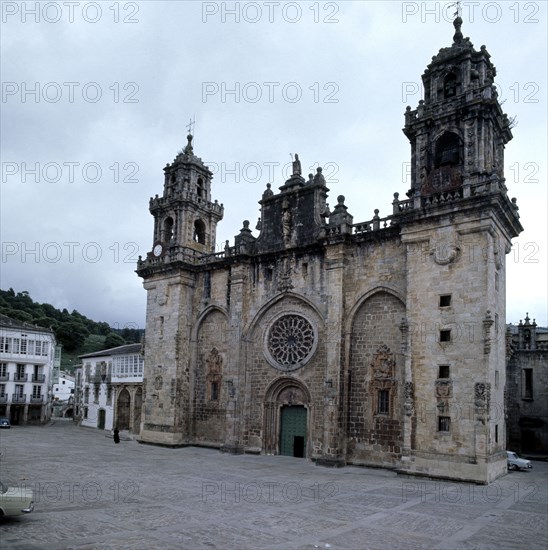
97,97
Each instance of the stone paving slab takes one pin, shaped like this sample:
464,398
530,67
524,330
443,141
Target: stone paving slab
93,494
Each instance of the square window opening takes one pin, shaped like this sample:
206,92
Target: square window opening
445,300
445,335
444,423
444,371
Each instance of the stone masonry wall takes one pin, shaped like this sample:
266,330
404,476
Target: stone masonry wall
373,436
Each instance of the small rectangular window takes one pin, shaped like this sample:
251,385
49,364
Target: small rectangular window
496,379
383,405
445,335
445,300
214,391
496,433
443,371
528,383
444,423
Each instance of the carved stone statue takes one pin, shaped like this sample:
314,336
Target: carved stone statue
297,170
214,361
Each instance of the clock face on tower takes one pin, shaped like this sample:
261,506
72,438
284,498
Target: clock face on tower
158,250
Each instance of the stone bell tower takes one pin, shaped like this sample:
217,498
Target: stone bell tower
457,227
184,215
185,221
459,131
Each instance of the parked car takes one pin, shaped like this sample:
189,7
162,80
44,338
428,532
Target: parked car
15,501
4,423
517,463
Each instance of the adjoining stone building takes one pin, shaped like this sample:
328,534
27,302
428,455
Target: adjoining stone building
368,343
527,387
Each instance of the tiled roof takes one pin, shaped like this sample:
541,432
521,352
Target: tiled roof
120,350
8,322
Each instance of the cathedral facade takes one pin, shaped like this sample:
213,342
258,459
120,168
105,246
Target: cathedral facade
374,343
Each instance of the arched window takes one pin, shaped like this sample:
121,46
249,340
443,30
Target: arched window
200,187
199,231
447,150
450,85
168,229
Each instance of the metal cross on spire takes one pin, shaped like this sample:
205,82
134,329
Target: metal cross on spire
458,13
190,125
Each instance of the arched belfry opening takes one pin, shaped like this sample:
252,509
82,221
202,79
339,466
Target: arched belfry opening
199,232
450,84
167,229
447,150
200,191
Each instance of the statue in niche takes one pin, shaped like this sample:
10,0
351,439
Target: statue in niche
383,363
214,361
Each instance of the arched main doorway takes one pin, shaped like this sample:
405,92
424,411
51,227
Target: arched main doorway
287,417
293,431
122,410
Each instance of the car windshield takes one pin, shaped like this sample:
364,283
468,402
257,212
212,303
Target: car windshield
3,488
513,455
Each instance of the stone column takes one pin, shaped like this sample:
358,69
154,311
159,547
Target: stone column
131,408
235,369
332,451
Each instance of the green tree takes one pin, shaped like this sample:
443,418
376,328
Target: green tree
113,340
71,334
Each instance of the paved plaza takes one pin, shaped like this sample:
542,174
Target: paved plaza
91,493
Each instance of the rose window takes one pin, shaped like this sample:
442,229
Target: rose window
290,342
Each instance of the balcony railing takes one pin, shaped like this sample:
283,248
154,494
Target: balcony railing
4,377
20,377
38,377
18,398
39,399
4,398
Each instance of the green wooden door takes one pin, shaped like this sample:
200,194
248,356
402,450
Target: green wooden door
293,431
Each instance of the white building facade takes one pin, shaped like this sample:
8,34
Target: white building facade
29,365
109,388
63,389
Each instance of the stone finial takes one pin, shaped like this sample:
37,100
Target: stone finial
310,179
457,23
268,192
189,150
